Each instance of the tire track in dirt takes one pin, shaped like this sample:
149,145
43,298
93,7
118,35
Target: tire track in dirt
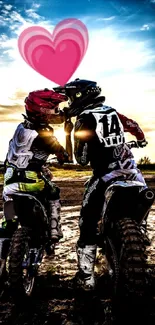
55,299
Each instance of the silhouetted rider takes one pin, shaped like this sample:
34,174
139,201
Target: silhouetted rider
29,148
99,139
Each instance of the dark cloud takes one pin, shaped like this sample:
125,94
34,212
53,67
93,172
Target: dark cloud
7,112
10,120
19,95
147,129
10,109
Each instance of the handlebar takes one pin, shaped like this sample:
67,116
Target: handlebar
50,161
132,144
54,161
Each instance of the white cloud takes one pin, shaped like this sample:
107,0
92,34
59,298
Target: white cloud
15,16
17,24
107,53
5,12
3,21
104,19
36,5
14,20
32,14
3,38
46,24
9,46
148,26
8,7
113,63
145,27
14,27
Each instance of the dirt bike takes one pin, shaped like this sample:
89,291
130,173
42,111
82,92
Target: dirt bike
21,256
122,237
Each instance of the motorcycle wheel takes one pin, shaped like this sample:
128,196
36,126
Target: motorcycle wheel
132,280
3,277
21,279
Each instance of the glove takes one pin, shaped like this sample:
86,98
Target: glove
46,172
142,143
62,157
68,127
65,111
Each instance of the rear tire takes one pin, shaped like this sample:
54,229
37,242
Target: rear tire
21,280
133,275
3,277
127,258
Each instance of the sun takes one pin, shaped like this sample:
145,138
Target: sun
60,135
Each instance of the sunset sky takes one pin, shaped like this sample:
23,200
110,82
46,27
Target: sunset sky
120,56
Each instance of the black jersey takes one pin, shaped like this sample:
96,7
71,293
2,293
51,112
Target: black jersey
99,139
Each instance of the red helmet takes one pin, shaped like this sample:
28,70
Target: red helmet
42,104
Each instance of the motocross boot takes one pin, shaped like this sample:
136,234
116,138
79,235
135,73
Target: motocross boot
54,218
86,263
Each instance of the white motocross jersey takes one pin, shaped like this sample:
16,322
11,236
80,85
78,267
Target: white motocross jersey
109,128
19,152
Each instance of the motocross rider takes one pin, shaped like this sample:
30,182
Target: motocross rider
32,143
99,139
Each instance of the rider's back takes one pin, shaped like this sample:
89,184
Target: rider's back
102,141
30,147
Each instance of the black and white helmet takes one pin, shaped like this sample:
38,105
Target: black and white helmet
81,93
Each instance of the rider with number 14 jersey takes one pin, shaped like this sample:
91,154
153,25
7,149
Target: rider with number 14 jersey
99,138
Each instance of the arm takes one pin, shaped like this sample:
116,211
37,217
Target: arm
50,143
81,143
68,127
133,128
69,147
60,118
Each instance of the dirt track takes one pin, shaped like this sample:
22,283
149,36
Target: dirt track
55,301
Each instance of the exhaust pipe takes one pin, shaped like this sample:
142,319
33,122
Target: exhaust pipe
145,201
150,195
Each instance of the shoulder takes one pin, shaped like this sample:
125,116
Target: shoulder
108,109
97,110
20,126
21,129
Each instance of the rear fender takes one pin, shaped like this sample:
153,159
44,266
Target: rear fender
126,183
30,211
144,202
8,209
121,200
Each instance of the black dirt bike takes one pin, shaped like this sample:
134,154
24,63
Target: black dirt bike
122,236
23,253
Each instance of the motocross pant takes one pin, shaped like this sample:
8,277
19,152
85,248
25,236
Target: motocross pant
34,185
93,201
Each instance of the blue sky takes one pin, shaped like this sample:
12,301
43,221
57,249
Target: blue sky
120,56
132,20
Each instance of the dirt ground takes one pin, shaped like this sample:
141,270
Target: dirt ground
55,300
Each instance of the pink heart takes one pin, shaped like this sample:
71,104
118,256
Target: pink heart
44,54
37,40
56,56
37,30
